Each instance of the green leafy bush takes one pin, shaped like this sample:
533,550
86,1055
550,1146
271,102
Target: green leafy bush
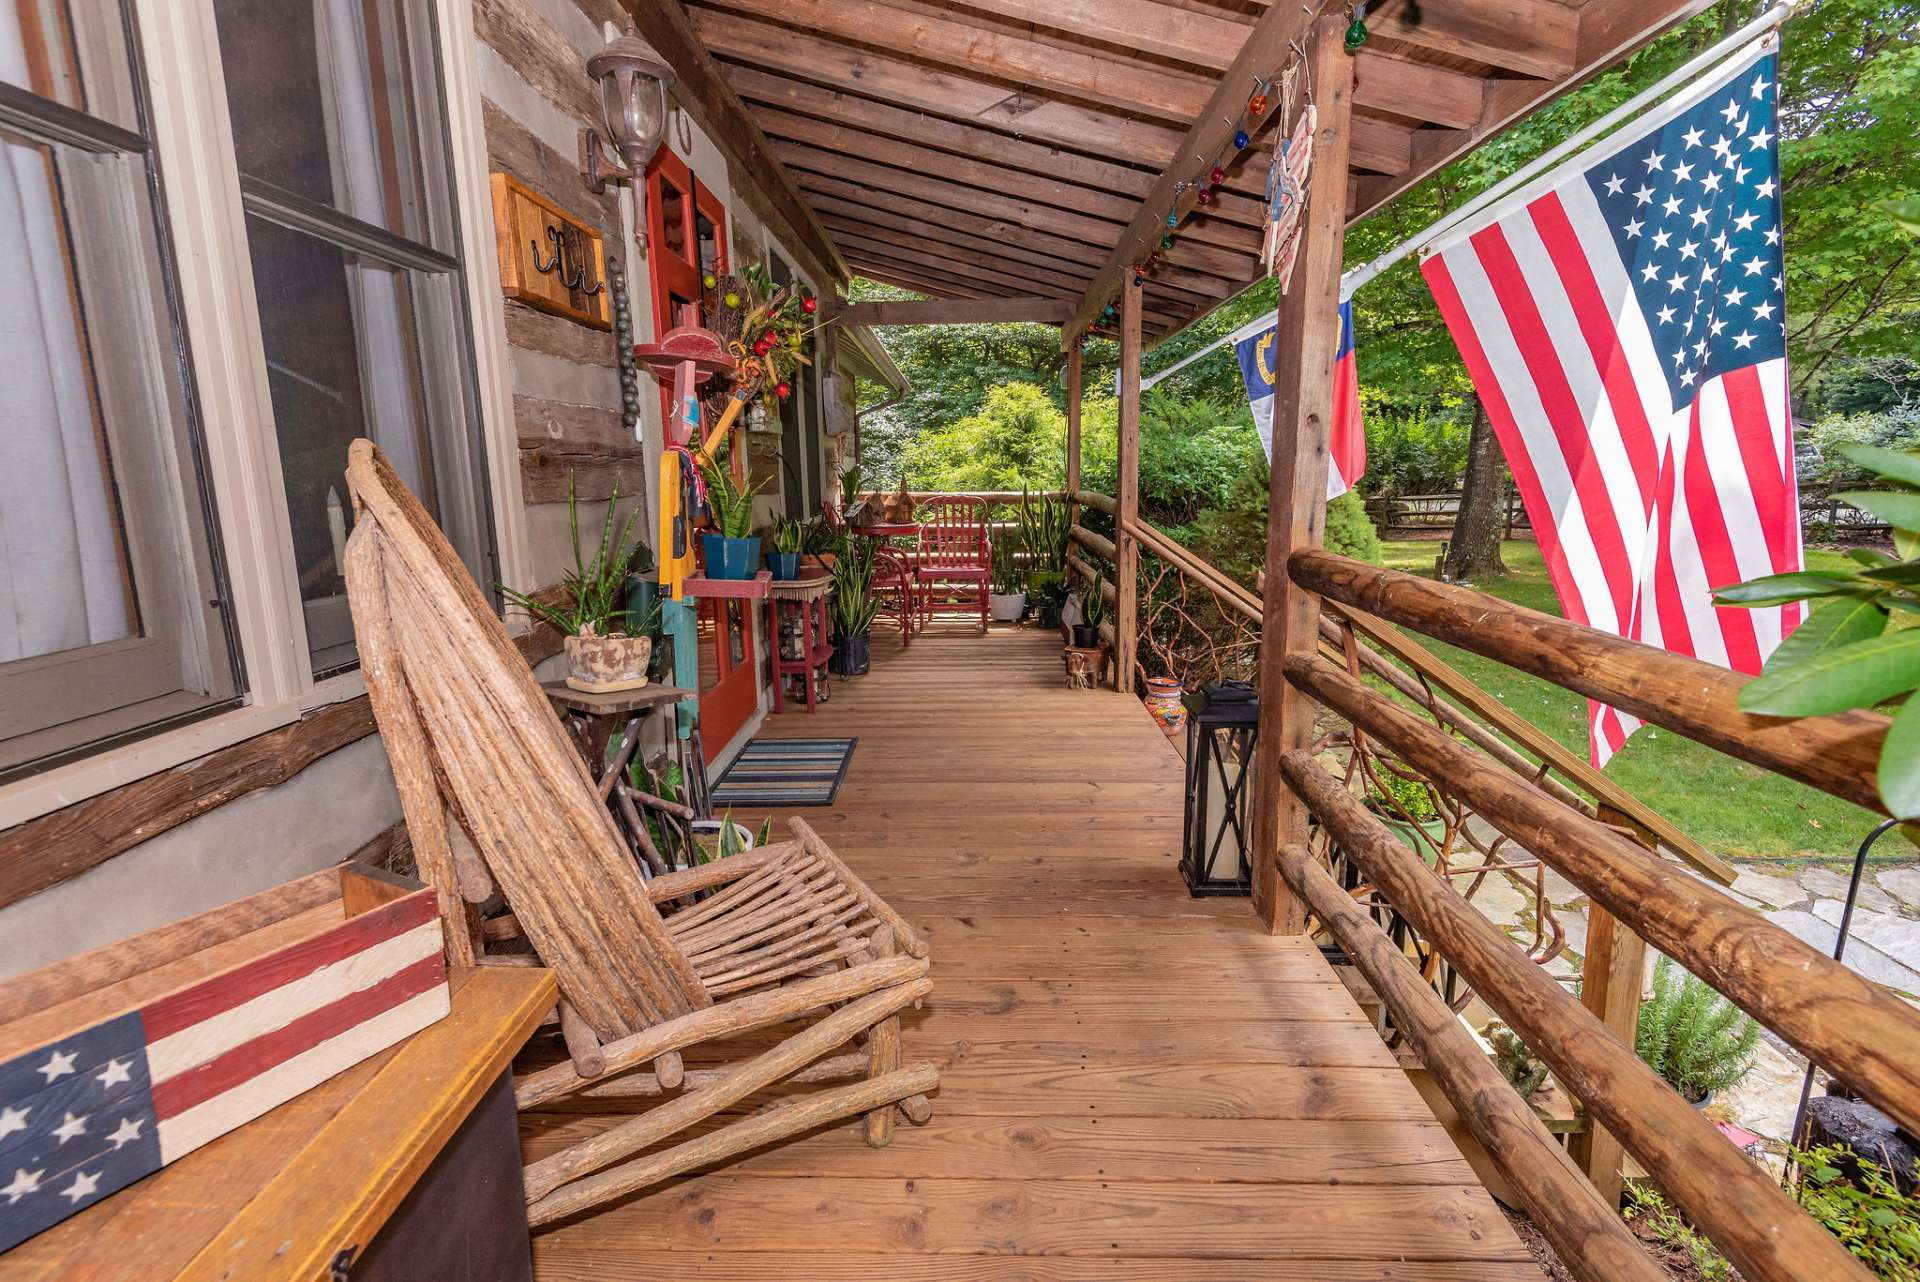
1862,1206
1692,1036
1666,1226
1350,530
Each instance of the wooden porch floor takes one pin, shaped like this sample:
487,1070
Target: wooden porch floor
1135,1085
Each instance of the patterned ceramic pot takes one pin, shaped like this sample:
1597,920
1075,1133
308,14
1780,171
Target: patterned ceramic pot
1163,701
600,664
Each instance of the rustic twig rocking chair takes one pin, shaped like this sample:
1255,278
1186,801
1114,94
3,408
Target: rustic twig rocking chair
497,800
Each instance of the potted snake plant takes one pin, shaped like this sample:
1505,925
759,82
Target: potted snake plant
1007,594
732,549
1093,609
789,541
606,647
851,609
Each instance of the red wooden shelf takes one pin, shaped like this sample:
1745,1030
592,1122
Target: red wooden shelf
753,589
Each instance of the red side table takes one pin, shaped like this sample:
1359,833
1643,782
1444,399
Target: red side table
808,596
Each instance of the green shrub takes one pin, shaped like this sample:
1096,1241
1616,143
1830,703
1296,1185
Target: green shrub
1350,531
1667,1227
1693,1037
1516,1061
1859,1204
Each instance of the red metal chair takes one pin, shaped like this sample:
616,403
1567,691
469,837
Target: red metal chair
954,553
893,575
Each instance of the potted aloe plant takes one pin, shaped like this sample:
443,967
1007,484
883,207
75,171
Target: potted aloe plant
607,648
789,541
852,608
732,550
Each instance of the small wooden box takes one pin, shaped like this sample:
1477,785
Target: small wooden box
122,1060
548,258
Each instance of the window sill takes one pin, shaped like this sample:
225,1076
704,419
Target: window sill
76,781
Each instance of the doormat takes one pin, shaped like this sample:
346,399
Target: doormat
785,772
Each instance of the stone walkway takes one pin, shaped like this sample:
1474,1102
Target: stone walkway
1883,945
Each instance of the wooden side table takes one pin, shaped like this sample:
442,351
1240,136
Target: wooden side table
370,1170
594,719
808,598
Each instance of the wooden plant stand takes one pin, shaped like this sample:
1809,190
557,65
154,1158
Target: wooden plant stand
594,720
808,598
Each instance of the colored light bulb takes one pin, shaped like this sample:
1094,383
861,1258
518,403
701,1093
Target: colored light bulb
1257,105
1205,196
1173,220
1240,140
1216,175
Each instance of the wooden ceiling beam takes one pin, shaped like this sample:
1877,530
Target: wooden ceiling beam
1533,37
703,90
865,114
1266,47
971,231
848,141
1130,85
741,39
881,182
853,231
1609,30
941,311
1388,82
907,265
976,268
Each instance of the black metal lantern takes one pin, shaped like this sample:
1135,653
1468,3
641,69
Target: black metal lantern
1223,725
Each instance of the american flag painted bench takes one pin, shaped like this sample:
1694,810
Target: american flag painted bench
115,1063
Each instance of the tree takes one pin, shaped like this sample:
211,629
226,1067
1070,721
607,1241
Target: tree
1474,552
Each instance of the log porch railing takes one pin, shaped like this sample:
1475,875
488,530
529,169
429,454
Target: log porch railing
1857,1032
1363,879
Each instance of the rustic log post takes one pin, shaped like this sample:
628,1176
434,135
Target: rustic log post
1073,428
1611,976
1126,492
1297,485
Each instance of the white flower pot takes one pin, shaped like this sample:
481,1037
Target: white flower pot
1007,608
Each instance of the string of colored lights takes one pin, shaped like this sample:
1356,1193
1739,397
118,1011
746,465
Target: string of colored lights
1203,185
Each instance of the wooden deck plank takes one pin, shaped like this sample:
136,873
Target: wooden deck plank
1063,1217
1135,1084
554,1263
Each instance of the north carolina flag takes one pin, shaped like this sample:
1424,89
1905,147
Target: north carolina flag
1348,443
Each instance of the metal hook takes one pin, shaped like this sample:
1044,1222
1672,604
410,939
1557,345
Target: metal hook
551,263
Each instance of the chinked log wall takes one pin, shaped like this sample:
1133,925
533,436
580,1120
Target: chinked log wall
566,382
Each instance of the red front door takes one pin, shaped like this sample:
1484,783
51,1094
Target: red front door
687,238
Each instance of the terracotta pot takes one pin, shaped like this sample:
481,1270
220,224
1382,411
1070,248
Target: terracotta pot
600,664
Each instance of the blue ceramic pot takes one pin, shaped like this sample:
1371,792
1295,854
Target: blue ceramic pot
785,565
731,558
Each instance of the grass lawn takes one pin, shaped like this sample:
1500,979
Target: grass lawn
1727,805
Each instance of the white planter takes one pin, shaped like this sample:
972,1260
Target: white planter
1006,609
710,828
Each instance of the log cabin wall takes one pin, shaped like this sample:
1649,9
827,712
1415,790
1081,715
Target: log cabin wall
310,794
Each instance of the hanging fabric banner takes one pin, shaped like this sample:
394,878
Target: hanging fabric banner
1347,443
1622,320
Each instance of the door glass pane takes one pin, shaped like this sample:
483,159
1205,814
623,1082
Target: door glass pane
673,221
73,52
329,99
346,339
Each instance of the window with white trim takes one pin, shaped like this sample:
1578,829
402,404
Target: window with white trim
116,618
112,597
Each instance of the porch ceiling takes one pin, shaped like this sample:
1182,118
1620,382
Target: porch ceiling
1002,148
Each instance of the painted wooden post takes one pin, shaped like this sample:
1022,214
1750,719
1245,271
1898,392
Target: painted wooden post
1126,563
1297,493
1612,976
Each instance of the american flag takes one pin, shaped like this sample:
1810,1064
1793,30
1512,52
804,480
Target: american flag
1623,322
89,1114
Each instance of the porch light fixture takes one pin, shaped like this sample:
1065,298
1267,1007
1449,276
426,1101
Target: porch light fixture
1223,728
633,86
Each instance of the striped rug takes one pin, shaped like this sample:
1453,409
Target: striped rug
785,772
